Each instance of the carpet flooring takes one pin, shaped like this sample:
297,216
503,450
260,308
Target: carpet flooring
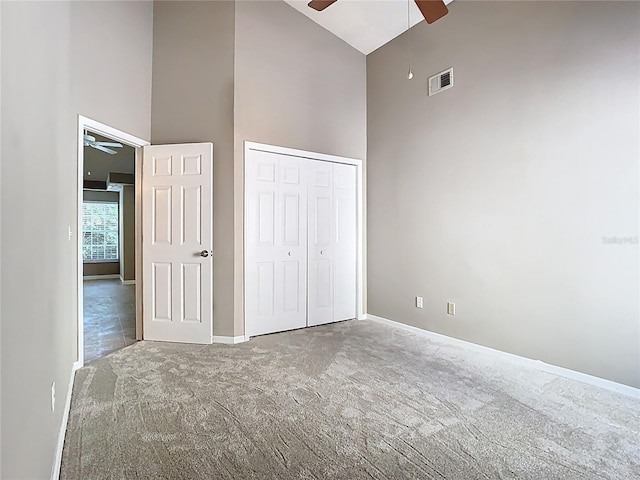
352,400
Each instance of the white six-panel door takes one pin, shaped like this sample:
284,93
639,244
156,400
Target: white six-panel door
177,242
344,241
276,254
332,242
320,242
301,225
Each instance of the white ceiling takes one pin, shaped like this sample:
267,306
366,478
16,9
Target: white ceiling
364,24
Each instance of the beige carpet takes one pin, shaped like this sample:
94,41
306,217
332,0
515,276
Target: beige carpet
352,400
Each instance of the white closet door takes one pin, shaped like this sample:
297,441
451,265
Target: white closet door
276,244
320,247
332,242
292,237
344,237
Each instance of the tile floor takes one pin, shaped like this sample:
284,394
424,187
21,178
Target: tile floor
109,317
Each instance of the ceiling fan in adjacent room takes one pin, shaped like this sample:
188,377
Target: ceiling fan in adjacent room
431,9
90,141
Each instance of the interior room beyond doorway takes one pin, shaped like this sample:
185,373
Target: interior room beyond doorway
108,245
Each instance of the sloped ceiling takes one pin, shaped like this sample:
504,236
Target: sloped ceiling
364,24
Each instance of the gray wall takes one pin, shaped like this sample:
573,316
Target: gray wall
283,93
296,85
193,102
498,193
100,196
100,268
112,53
37,336
48,78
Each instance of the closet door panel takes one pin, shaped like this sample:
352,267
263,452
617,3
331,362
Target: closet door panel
292,239
276,244
321,231
262,195
345,242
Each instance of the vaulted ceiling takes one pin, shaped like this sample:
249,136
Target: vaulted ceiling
364,24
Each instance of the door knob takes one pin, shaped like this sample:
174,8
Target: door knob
321,252
289,253
204,253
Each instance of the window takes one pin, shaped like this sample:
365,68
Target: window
99,232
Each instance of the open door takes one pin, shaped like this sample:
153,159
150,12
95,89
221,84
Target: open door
177,264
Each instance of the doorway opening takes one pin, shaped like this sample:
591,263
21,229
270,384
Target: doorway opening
108,240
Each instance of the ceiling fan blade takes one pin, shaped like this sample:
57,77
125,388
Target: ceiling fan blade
109,144
320,5
104,149
89,138
432,9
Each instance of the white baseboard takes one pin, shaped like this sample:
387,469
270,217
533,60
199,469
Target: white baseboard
127,282
57,463
101,277
528,362
230,340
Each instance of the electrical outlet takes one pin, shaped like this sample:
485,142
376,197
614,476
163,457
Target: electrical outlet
419,303
451,308
53,397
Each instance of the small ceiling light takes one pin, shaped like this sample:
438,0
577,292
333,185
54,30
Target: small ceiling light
409,74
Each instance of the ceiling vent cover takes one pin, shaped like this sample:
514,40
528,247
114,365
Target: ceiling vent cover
441,81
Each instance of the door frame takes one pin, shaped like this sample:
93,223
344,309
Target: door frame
85,123
360,251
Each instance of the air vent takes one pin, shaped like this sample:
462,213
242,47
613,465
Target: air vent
441,81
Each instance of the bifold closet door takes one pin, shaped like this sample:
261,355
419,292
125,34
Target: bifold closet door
320,244
332,242
345,222
276,243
